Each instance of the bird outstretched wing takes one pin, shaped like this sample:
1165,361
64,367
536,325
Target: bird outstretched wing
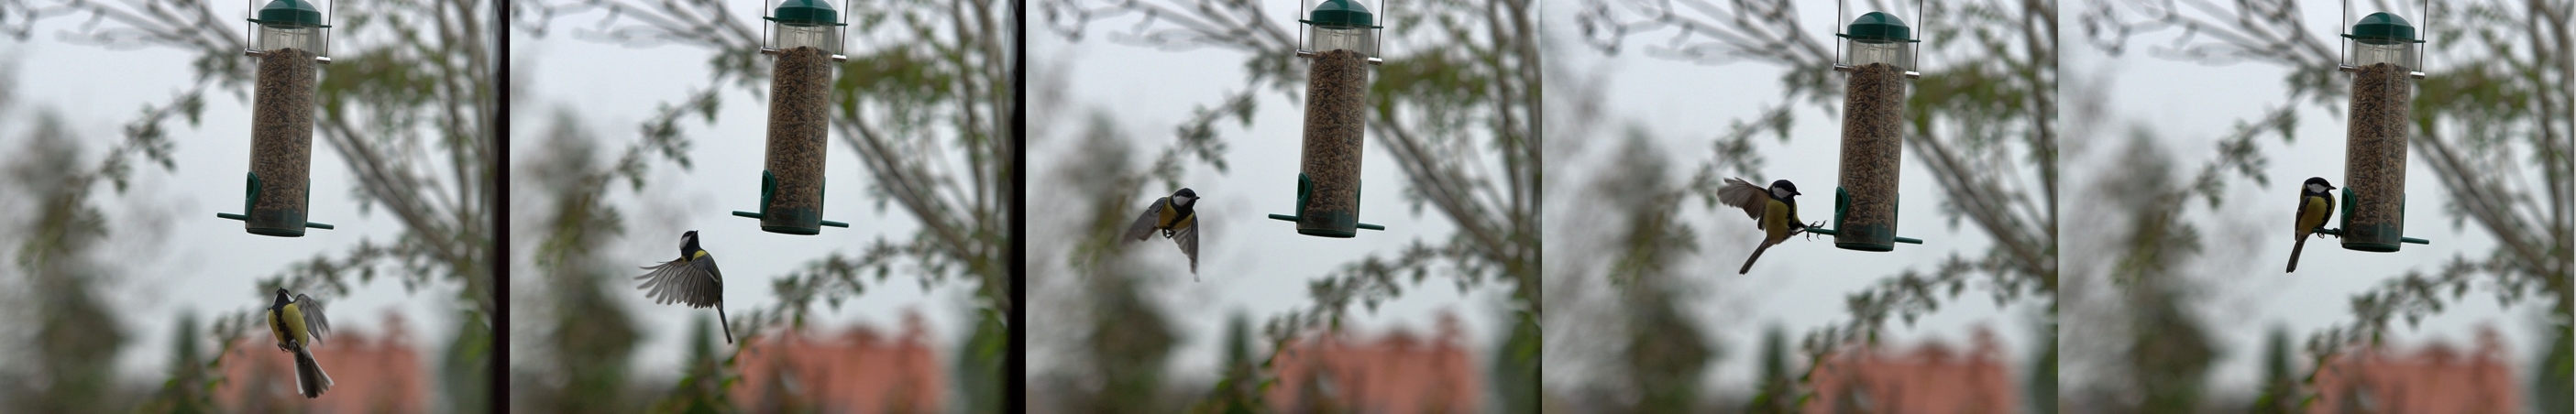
314,323
694,283
1144,226
1739,194
1188,237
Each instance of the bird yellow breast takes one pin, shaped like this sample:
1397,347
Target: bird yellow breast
2312,213
1164,217
701,254
294,317
1775,219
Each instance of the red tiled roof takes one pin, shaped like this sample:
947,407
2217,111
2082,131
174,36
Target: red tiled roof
858,370
2435,379
1929,379
371,374
1396,373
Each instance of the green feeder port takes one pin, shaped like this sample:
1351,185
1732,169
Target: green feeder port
775,217
280,222
1314,220
2372,234
1863,237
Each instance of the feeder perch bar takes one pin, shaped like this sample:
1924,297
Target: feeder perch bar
1306,189
768,187
251,199
2339,233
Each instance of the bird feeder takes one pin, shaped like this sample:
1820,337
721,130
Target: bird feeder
1340,43
803,39
2382,53
1877,58
289,39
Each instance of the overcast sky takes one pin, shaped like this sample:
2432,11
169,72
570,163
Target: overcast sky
196,262
614,87
2191,105
1801,285
1249,263
208,265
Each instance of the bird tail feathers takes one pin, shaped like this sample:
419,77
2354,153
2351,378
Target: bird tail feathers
2294,253
309,377
1748,261
728,324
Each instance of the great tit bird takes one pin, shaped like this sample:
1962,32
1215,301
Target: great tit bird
297,323
2315,205
691,279
1176,219
1775,210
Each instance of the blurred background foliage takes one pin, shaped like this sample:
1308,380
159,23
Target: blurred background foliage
1456,105
408,107
2490,122
924,101
1982,119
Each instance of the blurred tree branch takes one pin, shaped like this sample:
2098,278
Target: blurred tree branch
923,99
2490,121
1456,103
1982,119
924,110
426,150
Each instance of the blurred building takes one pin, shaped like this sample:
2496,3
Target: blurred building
1396,373
2436,379
1930,378
369,374
857,371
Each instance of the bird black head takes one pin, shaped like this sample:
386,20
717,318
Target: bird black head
282,299
1185,198
2316,185
1782,189
688,243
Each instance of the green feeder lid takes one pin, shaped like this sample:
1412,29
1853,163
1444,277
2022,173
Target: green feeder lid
1879,27
290,13
2383,28
1341,13
806,12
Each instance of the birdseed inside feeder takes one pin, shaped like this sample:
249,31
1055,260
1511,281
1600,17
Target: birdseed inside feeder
288,38
804,39
2382,56
1878,58
1340,43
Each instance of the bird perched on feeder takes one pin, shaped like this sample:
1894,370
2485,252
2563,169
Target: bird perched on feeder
1176,219
297,323
2315,205
1775,210
691,280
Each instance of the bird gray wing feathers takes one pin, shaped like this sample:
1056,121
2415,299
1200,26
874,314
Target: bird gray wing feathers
1144,226
1739,194
694,283
314,323
1188,237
